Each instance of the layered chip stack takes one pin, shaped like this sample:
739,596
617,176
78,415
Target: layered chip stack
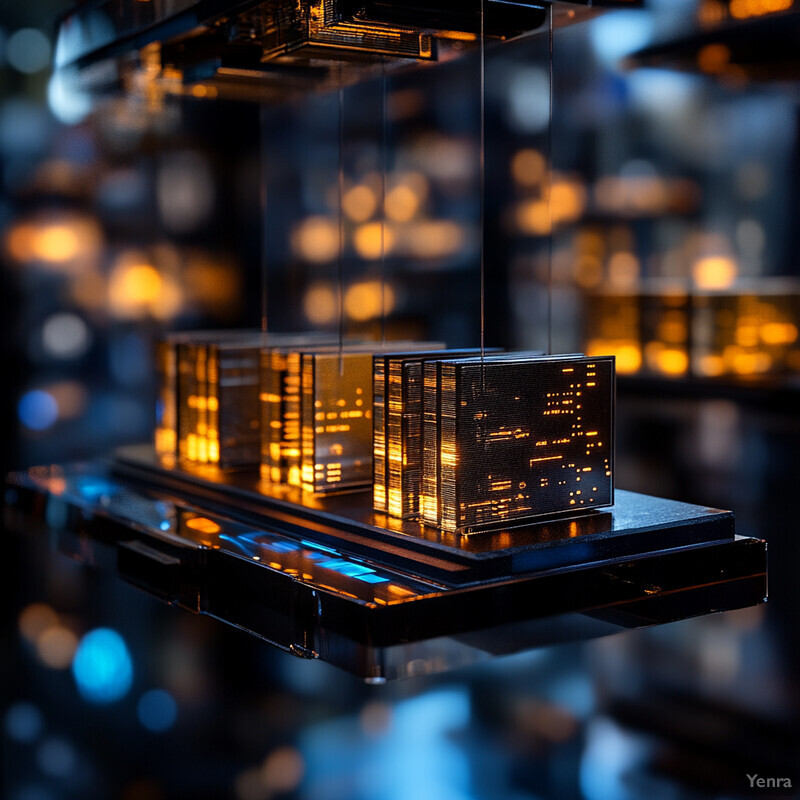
507,438
207,381
397,428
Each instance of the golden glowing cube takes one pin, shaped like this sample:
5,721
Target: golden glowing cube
192,358
336,415
206,392
397,430
280,404
233,425
166,431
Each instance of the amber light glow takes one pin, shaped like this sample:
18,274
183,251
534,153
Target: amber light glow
713,58
137,289
432,238
627,352
741,9
68,242
203,525
321,303
714,272
407,192
368,300
746,334
316,239
667,360
360,203
373,239
528,167
56,243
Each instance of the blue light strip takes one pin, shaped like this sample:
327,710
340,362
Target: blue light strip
350,569
315,546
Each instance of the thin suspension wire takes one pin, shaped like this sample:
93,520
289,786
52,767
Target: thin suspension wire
340,260
264,233
482,169
550,190
383,172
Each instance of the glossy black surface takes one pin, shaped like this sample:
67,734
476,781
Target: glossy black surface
362,614
634,524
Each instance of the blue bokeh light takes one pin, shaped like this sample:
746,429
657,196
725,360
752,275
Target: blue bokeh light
343,762
102,667
616,35
66,100
34,791
56,757
24,722
157,710
37,410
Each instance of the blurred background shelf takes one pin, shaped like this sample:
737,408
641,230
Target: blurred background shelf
781,393
758,47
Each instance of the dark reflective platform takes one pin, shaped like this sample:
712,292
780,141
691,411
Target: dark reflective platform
326,582
634,524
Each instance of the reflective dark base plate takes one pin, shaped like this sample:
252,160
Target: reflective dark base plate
315,583
636,524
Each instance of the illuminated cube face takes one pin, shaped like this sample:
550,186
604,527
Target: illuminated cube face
184,404
192,443
166,432
280,420
517,439
233,426
336,414
213,383
397,428
218,420
279,399
336,420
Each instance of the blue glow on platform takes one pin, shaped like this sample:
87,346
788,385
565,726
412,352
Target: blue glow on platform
352,570
102,667
315,546
157,710
94,488
234,540
282,547
318,554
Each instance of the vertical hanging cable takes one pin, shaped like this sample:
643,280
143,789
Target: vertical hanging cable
550,189
340,261
482,169
382,206
263,204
